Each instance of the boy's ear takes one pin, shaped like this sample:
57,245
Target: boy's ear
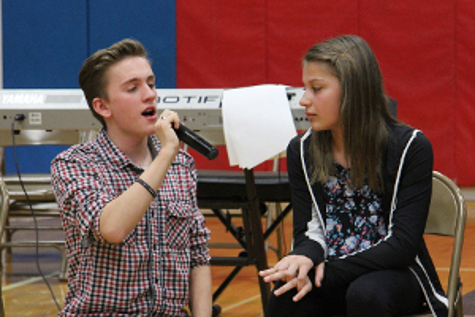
101,107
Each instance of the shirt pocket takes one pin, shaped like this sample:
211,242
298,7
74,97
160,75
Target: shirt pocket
178,225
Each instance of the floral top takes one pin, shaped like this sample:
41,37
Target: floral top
353,216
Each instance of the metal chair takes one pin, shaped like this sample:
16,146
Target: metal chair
40,196
4,199
447,217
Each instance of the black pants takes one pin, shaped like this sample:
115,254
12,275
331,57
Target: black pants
379,294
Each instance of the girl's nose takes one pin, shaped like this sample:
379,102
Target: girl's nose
304,101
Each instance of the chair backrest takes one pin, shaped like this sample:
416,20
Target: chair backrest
4,206
447,216
42,137
447,209
39,137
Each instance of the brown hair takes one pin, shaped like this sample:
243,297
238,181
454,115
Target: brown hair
364,114
92,77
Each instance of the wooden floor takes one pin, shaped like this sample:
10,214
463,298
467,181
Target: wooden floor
26,294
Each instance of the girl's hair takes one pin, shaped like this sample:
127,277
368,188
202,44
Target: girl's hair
92,76
364,114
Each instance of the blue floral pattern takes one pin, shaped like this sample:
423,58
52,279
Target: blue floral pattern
354,219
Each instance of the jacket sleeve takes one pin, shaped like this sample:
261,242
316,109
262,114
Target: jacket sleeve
406,223
302,208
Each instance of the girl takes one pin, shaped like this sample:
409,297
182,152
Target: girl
361,186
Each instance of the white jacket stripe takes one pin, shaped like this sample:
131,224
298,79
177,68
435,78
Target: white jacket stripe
316,226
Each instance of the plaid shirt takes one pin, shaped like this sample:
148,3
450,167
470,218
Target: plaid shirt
107,279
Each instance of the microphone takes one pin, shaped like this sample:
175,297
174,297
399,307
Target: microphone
196,142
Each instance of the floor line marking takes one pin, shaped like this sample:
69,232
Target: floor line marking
241,303
27,282
467,269
462,269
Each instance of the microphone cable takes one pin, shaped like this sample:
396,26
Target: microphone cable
21,117
148,230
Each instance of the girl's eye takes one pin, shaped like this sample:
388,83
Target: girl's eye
132,88
316,89
151,85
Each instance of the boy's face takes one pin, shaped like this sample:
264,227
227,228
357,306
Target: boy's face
130,108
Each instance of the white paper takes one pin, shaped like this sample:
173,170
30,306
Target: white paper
257,124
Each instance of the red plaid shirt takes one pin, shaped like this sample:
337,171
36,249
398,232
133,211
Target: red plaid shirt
106,279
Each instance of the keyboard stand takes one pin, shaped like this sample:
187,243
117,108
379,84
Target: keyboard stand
218,190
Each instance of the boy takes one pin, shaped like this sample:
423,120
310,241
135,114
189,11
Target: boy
136,240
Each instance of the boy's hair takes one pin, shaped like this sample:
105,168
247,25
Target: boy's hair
92,77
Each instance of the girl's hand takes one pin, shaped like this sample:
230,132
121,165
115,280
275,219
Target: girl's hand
292,269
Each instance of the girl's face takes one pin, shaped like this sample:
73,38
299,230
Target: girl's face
322,96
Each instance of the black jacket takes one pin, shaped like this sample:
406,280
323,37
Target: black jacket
407,174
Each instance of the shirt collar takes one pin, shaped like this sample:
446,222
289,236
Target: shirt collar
115,156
